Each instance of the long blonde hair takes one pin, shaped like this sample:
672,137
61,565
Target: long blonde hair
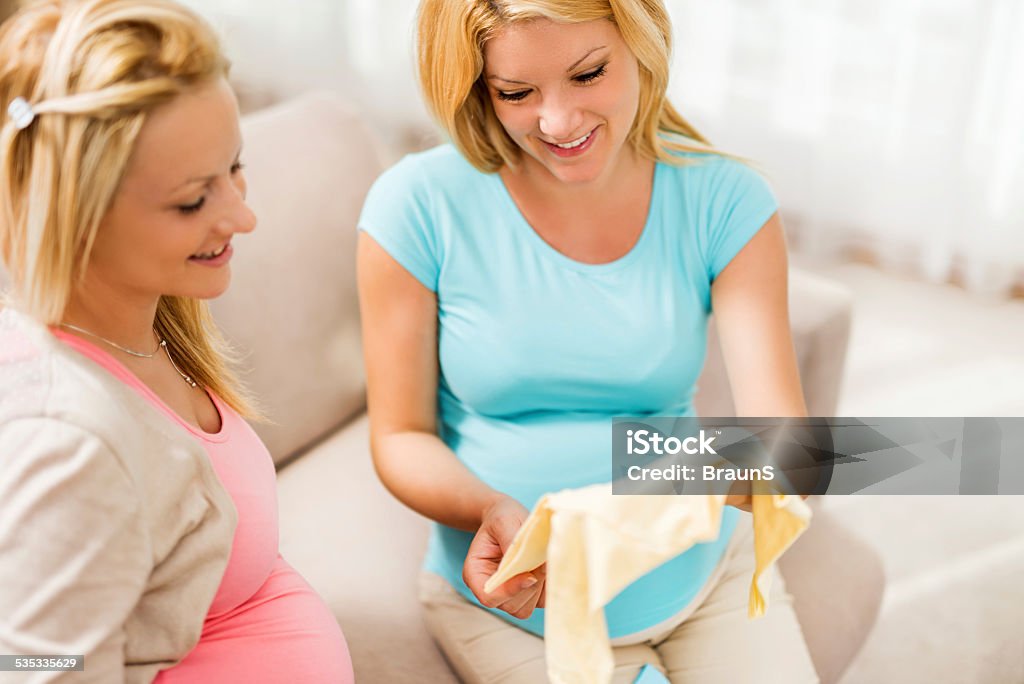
92,70
450,39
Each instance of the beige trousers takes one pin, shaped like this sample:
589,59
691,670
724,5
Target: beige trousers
715,643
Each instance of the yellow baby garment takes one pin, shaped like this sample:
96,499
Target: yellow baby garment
596,544
778,520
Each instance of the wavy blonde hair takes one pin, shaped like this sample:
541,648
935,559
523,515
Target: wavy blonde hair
450,40
92,70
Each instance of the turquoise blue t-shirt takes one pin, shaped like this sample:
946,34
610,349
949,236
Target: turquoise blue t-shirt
538,351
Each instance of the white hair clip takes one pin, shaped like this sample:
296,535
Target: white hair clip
21,113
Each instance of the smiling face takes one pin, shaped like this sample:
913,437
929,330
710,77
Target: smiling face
567,94
182,198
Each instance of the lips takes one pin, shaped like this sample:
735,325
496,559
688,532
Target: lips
572,148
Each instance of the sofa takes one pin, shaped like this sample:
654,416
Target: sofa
292,314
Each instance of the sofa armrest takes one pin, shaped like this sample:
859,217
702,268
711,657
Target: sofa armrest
820,312
837,581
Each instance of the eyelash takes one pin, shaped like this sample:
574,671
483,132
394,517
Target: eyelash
591,75
583,79
189,209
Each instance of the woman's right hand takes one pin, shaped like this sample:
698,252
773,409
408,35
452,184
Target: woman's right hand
521,594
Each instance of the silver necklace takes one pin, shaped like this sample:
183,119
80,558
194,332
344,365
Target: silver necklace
141,355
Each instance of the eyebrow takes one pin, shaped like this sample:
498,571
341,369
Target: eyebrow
574,65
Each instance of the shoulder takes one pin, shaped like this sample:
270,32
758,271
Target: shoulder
724,200
47,384
713,192
713,173
443,162
437,171
42,379
414,210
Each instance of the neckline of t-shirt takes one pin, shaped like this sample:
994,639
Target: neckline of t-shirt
107,361
550,252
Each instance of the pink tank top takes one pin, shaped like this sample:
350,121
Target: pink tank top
265,624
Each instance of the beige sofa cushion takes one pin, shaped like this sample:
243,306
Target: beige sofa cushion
291,308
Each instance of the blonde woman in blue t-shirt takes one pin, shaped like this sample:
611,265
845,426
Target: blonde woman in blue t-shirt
552,267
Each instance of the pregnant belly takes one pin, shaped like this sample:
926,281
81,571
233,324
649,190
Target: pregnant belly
283,633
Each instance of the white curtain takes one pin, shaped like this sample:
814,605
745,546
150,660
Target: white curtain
892,126
362,49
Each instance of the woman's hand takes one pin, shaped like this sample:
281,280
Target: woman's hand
524,592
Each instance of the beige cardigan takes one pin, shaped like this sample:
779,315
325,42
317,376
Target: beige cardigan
114,529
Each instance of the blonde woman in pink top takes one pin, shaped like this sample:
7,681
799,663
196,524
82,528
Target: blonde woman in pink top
138,511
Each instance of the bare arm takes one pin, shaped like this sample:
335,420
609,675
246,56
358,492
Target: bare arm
399,319
750,301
